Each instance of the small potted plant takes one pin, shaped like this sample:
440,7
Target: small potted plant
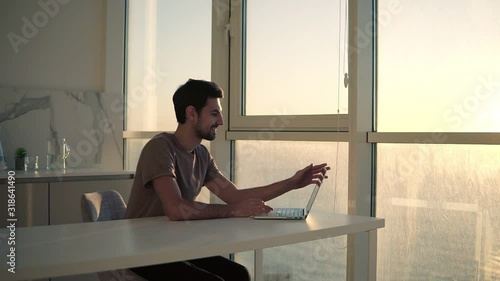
19,158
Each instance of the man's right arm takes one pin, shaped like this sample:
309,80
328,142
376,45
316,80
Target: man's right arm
176,208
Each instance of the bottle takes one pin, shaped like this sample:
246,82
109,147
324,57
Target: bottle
65,150
51,153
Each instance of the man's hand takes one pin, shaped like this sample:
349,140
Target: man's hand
309,175
249,207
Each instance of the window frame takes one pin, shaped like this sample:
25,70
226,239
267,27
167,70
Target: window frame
240,122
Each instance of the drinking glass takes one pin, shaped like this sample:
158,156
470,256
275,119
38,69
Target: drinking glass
31,163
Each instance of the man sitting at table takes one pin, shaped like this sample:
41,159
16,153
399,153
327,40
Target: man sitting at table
173,168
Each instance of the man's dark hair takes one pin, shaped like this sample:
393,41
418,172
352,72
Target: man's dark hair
195,93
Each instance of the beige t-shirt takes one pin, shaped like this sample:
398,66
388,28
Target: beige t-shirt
164,156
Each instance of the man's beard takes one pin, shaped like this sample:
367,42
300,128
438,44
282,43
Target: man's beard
205,135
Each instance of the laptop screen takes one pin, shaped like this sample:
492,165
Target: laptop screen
311,200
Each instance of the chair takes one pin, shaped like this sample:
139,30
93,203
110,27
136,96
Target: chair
104,206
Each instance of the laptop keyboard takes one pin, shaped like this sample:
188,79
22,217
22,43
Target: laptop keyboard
289,212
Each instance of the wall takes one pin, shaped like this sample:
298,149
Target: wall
53,79
64,53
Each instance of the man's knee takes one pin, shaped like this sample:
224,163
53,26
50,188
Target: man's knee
242,272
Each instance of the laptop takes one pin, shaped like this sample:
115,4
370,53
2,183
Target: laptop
290,213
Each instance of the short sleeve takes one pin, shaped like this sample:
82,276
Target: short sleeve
157,160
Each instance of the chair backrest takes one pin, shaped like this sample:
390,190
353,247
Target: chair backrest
102,206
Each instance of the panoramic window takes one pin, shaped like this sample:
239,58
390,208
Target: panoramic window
438,66
438,72
168,42
293,59
440,204
318,260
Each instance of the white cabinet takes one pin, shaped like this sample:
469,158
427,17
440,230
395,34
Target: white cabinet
31,204
47,199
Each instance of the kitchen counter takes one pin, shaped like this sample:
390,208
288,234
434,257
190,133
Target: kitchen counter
53,197
43,176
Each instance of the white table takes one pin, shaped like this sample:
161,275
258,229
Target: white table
58,250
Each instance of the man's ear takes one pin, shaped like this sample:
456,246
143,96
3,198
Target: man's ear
191,113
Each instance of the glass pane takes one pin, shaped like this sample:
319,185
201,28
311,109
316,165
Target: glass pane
440,204
168,43
133,148
317,260
295,57
438,66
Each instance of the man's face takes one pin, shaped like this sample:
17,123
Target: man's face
209,119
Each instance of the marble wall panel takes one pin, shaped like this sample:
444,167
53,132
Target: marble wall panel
91,123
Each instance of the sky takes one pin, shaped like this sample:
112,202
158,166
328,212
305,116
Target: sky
438,66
